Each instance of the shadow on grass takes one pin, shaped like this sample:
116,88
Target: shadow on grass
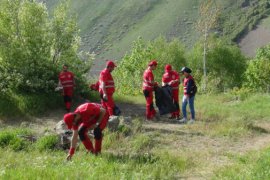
175,132
135,158
257,128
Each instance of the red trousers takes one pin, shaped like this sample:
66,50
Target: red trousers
109,104
83,129
175,97
67,94
150,110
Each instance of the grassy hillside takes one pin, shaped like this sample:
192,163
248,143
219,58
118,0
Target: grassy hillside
109,27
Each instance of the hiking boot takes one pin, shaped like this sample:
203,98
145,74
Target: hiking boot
191,121
183,121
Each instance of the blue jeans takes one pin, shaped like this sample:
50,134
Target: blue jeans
189,101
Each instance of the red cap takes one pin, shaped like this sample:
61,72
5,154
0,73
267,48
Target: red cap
68,119
168,68
110,63
153,63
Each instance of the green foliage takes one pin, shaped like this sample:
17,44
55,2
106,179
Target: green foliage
258,71
258,75
128,74
47,143
16,104
225,64
10,138
33,46
241,93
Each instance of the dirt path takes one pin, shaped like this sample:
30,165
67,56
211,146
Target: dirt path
209,152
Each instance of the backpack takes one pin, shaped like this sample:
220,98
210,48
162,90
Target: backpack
193,89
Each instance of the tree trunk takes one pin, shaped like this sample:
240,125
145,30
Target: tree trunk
204,62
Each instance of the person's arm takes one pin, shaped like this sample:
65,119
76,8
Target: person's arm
102,85
189,87
152,80
101,115
73,144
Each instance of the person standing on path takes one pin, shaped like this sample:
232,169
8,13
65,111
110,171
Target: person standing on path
190,90
171,78
107,88
148,88
67,82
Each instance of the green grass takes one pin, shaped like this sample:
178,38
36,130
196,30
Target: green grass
21,105
253,165
225,115
155,154
130,158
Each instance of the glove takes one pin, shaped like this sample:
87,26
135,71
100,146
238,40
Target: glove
58,88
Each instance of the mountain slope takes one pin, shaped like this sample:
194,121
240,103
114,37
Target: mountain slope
108,27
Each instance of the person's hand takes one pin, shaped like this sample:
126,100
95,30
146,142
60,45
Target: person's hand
156,84
170,83
105,97
69,156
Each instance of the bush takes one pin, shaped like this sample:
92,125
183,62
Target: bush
31,60
224,63
47,143
258,75
9,138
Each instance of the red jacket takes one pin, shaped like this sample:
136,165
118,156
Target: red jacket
66,79
106,77
89,113
169,76
188,84
148,80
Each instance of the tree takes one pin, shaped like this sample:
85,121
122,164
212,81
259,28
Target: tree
34,46
226,64
208,18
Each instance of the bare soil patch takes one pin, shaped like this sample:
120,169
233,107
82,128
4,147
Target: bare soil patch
255,39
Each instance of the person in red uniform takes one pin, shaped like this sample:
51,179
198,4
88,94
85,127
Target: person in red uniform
86,117
148,88
106,87
171,78
67,82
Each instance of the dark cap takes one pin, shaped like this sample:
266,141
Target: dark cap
185,69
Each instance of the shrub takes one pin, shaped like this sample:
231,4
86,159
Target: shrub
47,143
224,63
9,138
258,75
31,59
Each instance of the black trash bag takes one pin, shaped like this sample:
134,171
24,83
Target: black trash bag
116,111
164,101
